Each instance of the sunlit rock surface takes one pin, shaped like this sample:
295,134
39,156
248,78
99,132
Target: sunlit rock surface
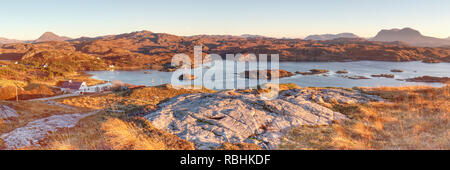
210,119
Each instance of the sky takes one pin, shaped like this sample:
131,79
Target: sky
28,19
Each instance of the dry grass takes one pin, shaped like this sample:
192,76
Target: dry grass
239,146
131,100
414,117
103,132
111,130
29,111
124,135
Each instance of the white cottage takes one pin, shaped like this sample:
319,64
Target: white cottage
74,87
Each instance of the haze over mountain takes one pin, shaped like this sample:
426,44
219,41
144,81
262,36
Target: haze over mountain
49,36
331,36
411,37
8,41
252,36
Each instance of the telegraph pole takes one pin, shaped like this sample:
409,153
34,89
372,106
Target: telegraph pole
17,95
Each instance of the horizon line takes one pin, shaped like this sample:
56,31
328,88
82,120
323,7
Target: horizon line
189,35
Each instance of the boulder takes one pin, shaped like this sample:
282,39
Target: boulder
211,119
430,79
313,72
187,77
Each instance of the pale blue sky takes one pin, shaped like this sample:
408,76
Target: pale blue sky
28,19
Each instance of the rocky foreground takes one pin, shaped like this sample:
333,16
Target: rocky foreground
34,132
7,113
210,119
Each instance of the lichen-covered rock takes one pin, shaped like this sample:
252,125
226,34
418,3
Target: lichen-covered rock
32,133
7,112
210,119
336,96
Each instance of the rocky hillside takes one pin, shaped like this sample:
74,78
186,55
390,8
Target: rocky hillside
410,36
146,49
210,119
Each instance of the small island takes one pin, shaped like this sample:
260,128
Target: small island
313,72
266,74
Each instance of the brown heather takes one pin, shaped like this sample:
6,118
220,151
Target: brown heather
414,117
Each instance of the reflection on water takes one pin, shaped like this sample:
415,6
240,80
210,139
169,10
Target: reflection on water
331,79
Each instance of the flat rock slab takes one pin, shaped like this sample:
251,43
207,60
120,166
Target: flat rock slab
331,95
7,112
210,119
35,131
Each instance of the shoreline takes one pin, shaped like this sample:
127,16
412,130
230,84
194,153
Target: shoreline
162,70
354,68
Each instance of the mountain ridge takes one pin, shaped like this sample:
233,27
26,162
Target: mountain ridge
9,41
148,50
331,36
409,36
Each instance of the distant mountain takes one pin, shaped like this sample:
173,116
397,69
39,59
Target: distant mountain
49,36
148,50
411,37
9,41
331,36
252,36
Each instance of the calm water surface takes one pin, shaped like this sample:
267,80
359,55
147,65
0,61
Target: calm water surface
331,79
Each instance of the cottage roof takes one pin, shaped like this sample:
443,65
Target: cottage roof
75,85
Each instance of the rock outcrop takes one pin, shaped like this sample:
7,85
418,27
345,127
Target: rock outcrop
7,112
313,72
32,133
342,72
356,77
266,74
383,75
210,119
396,71
430,79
